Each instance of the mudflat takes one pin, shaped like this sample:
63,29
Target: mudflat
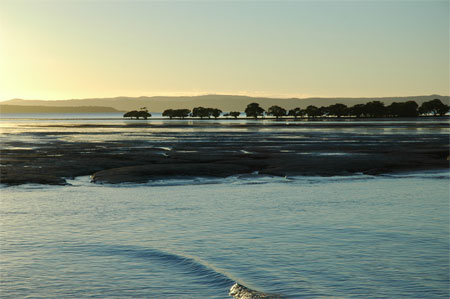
139,151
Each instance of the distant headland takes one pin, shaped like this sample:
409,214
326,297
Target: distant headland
7,109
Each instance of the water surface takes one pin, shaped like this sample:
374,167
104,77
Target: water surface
302,237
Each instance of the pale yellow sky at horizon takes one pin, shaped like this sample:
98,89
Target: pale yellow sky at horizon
57,50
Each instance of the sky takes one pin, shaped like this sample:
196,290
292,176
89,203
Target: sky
55,50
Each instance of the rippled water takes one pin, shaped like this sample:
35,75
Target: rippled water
301,237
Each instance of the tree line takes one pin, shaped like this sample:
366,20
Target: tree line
143,112
371,109
196,112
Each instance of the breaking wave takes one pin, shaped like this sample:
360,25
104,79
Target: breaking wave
193,266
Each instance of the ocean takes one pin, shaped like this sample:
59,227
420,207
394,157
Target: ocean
356,236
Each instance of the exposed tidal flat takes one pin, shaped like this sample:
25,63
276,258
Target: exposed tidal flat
49,151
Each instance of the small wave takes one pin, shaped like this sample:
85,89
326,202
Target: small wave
165,148
241,179
205,272
440,174
192,265
173,181
246,152
332,179
239,291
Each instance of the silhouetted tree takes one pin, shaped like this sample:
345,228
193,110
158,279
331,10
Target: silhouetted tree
313,111
296,112
410,109
168,113
375,109
206,112
131,114
357,110
216,112
181,113
324,111
235,114
200,112
138,114
393,109
143,114
276,111
337,110
435,107
404,109
254,110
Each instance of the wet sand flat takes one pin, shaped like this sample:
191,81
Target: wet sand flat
138,151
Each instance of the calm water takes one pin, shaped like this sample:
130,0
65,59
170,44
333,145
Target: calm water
27,131
357,236
303,237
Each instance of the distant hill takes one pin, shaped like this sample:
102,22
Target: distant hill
223,102
4,109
